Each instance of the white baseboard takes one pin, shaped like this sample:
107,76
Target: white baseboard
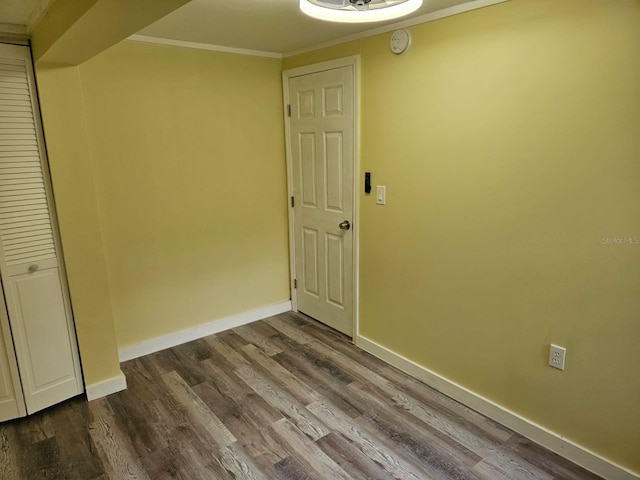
184,336
107,387
548,439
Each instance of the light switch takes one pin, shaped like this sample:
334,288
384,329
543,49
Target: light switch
381,195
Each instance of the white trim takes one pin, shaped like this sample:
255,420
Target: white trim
203,46
178,338
13,29
13,39
429,17
289,166
352,61
539,434
107,387
356,198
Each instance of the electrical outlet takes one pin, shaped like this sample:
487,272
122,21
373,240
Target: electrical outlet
557,356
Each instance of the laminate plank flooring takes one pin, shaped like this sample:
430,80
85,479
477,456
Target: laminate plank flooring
285,398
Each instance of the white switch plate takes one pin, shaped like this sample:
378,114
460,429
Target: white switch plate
381,195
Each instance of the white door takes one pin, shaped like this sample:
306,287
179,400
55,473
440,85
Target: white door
42,337
33,279
11,401
322,153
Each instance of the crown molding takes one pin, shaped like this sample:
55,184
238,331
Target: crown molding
12,29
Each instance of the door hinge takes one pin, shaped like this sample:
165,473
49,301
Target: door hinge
293,202
295,283
289,110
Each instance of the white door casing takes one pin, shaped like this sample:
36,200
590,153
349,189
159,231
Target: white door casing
322,164
33,280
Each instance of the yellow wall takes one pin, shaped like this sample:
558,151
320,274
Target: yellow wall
188,152
322,55
509,142
72,177
70,32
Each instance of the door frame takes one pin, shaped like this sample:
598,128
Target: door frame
353,62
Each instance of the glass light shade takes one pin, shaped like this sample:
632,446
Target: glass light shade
377,12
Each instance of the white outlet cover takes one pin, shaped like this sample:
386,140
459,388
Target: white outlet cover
557,356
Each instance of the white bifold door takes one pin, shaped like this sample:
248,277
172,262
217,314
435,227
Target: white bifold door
39,362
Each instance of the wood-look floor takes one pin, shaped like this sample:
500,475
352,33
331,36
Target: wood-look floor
284,398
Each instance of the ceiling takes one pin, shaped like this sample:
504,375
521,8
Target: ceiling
19,16
266,25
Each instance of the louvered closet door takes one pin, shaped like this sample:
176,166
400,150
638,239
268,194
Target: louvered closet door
34,287
11,401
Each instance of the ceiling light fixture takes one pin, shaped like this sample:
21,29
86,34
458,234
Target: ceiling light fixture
358,11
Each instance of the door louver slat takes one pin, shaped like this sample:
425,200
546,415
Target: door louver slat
25,230
32,238
26,235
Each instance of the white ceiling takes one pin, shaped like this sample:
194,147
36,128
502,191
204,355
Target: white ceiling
19,16
265,25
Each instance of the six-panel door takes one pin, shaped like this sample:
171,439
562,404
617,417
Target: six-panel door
322,153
